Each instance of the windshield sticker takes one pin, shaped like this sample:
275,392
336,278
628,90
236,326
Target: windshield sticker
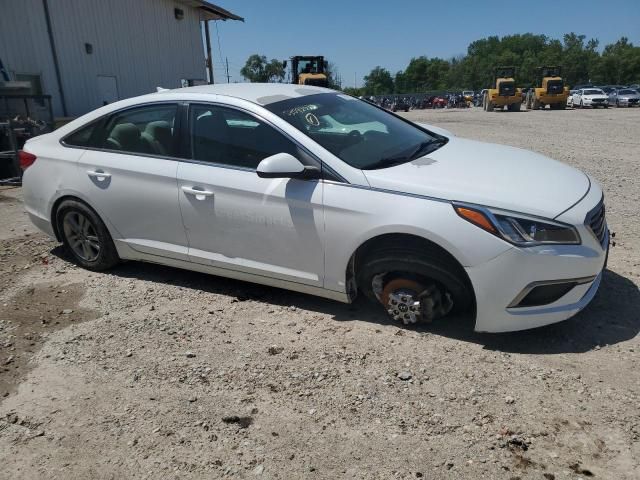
300,109
311,119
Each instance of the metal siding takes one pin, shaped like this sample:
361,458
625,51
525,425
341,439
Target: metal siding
140,42
24,44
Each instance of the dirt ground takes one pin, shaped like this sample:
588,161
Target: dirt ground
152,372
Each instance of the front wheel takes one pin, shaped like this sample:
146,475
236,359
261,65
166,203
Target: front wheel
85,236
414,285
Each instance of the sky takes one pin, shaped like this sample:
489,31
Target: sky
358,35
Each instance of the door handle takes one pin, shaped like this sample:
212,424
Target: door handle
199,194
98,175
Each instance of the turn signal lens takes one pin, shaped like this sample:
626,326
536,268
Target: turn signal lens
477,218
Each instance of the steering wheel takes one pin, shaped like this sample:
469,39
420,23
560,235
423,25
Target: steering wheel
355,134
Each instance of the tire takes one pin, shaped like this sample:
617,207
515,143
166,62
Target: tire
581,104
514,107
97,251
418,263
490,105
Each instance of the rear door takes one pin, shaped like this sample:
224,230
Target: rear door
237,220
128,174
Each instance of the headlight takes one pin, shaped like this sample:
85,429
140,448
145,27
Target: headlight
519,229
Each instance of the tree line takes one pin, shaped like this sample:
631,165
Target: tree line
581,61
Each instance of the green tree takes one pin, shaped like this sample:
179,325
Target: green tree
378,82
258,69
356,92
333,76
619,63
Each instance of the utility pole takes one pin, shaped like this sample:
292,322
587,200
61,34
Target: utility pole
209,59
227,62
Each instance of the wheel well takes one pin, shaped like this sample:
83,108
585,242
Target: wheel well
404,240
54,212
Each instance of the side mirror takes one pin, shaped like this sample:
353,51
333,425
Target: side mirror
285,165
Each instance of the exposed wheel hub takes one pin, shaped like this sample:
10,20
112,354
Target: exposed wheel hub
410,301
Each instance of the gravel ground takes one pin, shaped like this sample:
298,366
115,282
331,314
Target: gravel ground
152,372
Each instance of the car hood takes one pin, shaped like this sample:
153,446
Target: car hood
592,97
487,174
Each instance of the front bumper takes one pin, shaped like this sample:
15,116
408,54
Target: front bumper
500,281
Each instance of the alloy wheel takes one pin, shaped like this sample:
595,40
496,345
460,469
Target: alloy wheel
81,236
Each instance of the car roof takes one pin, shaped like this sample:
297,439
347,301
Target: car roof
260,93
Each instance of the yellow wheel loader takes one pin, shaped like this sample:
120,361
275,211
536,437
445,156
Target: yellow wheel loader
503,92
549,90
308,70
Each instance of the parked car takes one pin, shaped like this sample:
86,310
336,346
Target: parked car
570,98
439,101
246,181
399,104
625,97
590,97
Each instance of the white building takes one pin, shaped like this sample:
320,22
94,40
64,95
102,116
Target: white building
85,53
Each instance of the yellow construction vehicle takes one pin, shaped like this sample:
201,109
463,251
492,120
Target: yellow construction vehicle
549,89
503,92
308,70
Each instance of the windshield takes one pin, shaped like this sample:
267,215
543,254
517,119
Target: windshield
593,92
308,66
627,92
360,134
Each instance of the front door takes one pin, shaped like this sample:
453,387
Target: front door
237,220
130,174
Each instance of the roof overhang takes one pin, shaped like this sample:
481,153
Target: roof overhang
210,11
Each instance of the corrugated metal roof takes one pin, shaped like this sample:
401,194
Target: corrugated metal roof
211,11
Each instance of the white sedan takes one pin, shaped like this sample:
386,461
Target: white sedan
254,182
590,97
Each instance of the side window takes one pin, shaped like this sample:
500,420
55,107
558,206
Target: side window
84,136
231,137
148,129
